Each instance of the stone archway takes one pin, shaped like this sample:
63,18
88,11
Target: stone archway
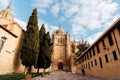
60,65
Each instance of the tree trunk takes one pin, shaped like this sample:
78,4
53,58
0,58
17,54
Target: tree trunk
38,70
25,71
29,69
43,72
44,67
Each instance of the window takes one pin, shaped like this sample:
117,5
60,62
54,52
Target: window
86,65
84,58
93,51
60,40
90,53
98,50
1,44
118,29
95,62
103,43
100,62
115,55
2,41
106,58
110,39
87,56
91,63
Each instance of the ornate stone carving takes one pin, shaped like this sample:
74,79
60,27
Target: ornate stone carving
6,13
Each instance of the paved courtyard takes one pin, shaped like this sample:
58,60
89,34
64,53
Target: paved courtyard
62,75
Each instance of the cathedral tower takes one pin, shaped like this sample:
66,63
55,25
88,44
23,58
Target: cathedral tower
61,50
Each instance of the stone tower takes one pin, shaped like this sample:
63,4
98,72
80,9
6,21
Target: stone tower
61,50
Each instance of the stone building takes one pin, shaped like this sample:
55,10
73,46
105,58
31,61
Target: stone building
74,50
102,59
61,50
11,36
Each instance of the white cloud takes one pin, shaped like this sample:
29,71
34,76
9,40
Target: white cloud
55,9
93,16
93,37
21,23
72,9
77,29
82,14
3,3
42,3
48,27
42,11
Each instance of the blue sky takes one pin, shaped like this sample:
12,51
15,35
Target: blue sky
83,19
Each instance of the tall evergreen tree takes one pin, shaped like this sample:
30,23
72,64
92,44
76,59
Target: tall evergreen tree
30,46
45,50
40,58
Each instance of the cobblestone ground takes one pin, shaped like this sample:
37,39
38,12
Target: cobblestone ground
62,75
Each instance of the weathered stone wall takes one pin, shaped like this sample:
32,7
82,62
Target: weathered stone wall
10,50
106,61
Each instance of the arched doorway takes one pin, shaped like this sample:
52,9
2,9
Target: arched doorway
60,65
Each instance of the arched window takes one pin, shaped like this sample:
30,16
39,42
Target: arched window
2,41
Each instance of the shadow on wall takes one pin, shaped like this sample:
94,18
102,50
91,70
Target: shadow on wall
17,60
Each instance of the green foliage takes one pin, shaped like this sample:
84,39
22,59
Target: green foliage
18,76
82,47
45,49
30,46
14,76
37,46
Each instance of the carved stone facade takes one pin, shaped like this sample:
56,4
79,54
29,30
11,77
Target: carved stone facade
61,50
11,36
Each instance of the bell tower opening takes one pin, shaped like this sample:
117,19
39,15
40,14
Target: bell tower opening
60,65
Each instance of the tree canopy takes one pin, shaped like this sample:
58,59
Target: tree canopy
45,49
30,47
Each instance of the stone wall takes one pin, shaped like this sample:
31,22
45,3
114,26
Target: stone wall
102,59
10,50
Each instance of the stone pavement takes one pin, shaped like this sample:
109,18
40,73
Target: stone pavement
62,75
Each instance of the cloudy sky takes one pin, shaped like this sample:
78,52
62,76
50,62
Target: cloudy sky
83,19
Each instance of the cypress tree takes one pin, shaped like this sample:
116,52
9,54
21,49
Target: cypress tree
45,50
30,46
48,50
40,59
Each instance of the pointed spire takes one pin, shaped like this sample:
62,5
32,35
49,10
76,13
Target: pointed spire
59,27
6,13
9,5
